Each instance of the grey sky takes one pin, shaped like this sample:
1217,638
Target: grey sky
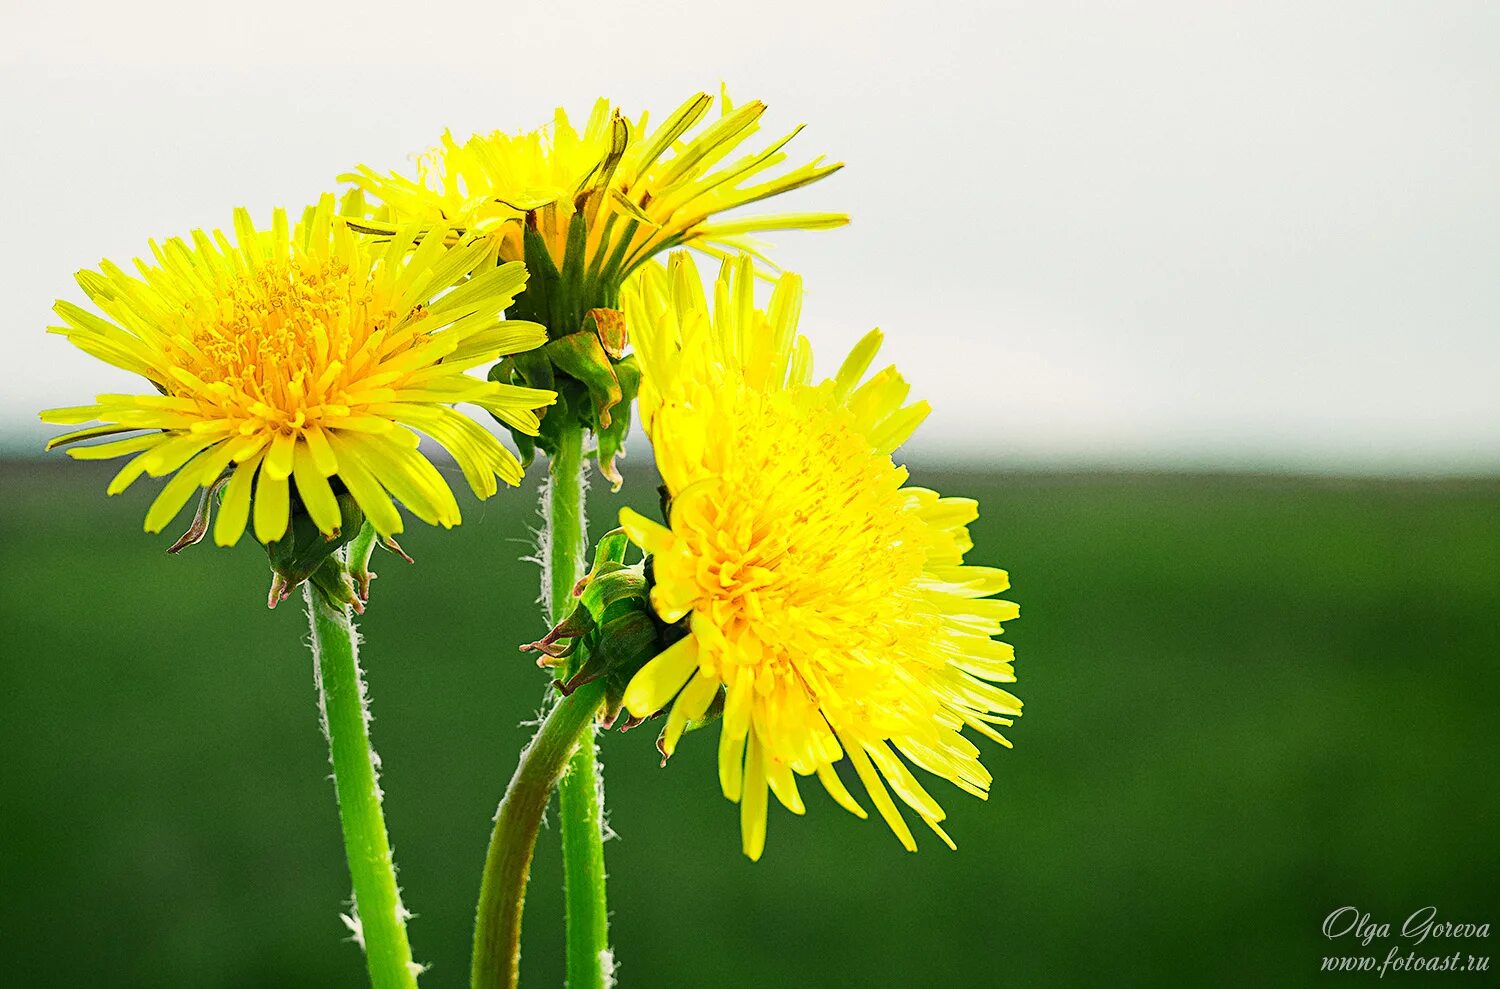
1132,234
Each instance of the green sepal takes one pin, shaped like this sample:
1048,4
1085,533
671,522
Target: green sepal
581,355
361,548
359,553
608,326
610,634
303,549
624,642
611,438
583,359
202,516
614,582
594,389
611,548
543,279
532,369
571,287
334,584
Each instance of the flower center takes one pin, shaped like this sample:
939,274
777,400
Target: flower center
805,557
283,346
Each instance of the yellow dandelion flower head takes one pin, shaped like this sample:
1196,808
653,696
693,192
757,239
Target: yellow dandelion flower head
825,597
640,189
307,361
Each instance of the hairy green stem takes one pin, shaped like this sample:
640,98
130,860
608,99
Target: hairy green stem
380,919
580,794
561,755
497,927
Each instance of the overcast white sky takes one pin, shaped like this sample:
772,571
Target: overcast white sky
1140,234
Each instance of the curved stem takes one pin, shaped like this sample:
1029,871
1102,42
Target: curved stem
581,792
380,919
497,928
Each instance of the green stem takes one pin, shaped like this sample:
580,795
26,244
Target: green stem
497,927
581,793
562,749
341,698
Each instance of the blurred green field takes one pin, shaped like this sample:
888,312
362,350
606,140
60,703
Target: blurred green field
1249,701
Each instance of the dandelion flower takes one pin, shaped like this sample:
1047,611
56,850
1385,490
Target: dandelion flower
827,599
300,364
639,189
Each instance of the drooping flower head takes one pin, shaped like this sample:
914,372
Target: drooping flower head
639,189
306,362
826,598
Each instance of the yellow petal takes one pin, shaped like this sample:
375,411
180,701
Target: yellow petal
278,464
234,509
316,494
829,777
883,803
322,454
174,494
784,785
731,764
856,364
272,507
659,680
372,499
690,705
753,803
116,448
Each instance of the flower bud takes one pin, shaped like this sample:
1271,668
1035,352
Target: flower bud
610,634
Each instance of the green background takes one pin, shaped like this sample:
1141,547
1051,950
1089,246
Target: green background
1249,701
